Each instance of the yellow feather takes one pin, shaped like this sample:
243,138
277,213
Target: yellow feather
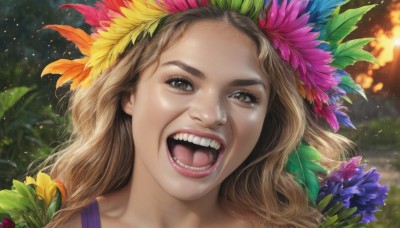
141,16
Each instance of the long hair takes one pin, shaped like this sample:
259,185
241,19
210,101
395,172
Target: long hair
99,156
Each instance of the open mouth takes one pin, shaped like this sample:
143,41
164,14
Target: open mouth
193,152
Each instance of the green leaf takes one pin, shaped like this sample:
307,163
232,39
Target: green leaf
352,51
347,213
3,213
26,192
10,200
304,165
343,24
22,205
55,205
334,209
348,84
354,220
324,202
9,97
330,221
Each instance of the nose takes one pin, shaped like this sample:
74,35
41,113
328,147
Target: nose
208,109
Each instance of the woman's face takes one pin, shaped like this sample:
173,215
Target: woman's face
198,113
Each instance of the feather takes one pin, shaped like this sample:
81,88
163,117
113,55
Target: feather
115,5
175,6
70,70
303,164
350,52
348,85
141,17
94,16
250,8
287,29
77,36
342,25
342,117
327,113
321,10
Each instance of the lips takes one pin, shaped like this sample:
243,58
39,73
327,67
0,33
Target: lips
194,155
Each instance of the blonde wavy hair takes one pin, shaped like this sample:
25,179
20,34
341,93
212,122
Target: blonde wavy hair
98,158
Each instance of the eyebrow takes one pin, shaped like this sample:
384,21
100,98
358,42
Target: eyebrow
193,71
248,82
198,73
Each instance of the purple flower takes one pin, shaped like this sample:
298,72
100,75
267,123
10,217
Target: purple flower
354,187
7,223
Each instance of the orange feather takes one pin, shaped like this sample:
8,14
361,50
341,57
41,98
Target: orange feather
71,70
76,36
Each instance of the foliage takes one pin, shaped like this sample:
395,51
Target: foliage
26,131
376,134
28,117
33,203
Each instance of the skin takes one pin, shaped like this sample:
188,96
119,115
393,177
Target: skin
216,98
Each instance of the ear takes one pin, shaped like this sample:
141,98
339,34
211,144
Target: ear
127,102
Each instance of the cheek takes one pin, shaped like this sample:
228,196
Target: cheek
248,129
153,110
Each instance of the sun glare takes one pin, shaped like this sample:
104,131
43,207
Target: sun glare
396,42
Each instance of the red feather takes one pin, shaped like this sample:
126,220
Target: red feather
115,5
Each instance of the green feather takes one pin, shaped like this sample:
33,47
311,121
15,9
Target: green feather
342,25
350,52
250,8
349,85
304,165
346,98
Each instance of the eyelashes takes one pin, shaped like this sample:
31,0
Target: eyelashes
180,83
244,97
183,84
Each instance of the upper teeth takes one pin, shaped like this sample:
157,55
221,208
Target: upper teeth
206,142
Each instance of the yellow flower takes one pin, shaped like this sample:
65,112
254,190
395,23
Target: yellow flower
45,188
30,180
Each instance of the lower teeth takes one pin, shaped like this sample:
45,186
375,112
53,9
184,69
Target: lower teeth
191,167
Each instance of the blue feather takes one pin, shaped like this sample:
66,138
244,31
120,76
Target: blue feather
320,10
343,118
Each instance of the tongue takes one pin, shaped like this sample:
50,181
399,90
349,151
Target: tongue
200,157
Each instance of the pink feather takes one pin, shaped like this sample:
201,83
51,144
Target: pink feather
100,15
327,112
93,15
287,29
174,6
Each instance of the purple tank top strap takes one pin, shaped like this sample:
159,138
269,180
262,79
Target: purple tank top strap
90,216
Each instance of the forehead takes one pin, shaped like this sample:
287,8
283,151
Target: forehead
215,47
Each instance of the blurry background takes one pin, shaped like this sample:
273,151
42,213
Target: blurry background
32,120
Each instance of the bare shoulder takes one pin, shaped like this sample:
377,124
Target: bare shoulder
73,222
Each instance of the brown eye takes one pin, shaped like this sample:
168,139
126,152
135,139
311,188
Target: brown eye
244,97
180,84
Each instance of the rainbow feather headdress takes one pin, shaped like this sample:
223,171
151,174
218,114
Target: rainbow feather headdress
307,34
